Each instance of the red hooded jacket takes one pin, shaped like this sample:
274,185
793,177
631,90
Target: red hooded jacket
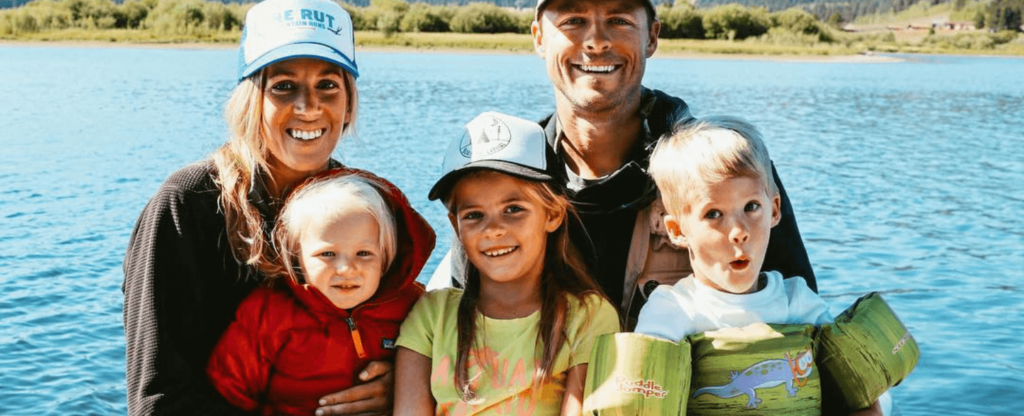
289,345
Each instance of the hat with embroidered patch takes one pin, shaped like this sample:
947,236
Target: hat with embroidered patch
276,30
542,3
498,142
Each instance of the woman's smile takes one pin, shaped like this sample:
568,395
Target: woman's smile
305,109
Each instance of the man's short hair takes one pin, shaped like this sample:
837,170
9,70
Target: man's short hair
708,151
652,13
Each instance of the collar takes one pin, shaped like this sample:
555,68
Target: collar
629,187
644,143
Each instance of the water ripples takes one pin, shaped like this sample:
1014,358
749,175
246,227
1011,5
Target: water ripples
905,178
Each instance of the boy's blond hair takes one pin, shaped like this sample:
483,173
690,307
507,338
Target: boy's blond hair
708,151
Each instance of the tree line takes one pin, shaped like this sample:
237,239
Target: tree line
197,17
190,17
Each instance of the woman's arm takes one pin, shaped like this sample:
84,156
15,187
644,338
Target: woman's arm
412,390
572,402
174,308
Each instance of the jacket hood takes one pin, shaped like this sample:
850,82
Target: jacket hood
414,241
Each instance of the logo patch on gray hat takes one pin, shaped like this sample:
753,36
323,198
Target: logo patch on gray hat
487,140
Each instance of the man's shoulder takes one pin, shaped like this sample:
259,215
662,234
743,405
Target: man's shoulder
664,111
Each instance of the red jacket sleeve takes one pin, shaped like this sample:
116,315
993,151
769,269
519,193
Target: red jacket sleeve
240,365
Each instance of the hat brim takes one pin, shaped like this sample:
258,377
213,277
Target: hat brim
301,50
444,185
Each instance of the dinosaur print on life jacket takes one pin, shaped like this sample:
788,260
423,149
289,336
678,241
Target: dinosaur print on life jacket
793,372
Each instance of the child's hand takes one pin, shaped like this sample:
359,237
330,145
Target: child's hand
374,397
874,410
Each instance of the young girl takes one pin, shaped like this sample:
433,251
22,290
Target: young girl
350,248
517,339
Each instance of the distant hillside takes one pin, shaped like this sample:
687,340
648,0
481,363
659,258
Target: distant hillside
521,4
848,9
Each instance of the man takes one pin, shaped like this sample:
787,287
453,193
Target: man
600,138
601,135
602,132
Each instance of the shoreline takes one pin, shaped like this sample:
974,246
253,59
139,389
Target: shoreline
856,58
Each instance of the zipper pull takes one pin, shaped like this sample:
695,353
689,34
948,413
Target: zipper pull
356,339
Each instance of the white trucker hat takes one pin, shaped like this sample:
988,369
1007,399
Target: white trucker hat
276,30
498,142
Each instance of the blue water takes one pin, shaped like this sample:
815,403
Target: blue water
907,178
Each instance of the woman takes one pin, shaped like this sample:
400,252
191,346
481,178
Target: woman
201,244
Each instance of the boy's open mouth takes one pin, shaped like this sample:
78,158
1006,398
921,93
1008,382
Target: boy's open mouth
739,264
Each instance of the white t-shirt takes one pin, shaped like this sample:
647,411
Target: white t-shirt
687,307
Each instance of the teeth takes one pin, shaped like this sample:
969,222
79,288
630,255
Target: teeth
597,68
306,135
501,252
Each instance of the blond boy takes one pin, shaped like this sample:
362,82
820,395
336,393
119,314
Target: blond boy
716,183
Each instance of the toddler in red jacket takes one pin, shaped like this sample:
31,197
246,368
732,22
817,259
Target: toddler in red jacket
350,249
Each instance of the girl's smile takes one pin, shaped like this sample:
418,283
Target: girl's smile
503,229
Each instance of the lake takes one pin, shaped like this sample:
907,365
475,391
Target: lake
907,178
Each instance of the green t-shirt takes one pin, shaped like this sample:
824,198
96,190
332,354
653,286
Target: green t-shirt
509,353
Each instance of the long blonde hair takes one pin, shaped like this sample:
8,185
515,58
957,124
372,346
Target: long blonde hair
565,274
243,157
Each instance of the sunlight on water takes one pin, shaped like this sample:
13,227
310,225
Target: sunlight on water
905,177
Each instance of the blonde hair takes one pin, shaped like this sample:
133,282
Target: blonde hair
326,199
708,151
243,157
565,274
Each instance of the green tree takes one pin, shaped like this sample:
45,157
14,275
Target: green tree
1004,15
735,22
680,21
389,14
483,18
836,19
135,13
425,18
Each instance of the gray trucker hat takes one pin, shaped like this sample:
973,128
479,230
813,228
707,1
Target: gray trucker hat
497,142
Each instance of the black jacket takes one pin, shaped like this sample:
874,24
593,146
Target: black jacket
181,289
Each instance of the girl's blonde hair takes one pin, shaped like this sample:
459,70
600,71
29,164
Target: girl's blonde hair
708,151
326,199
565,274
243,160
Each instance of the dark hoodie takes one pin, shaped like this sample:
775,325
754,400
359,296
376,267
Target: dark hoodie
289,345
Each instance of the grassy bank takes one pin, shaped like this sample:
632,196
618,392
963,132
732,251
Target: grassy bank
729,29
845,44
